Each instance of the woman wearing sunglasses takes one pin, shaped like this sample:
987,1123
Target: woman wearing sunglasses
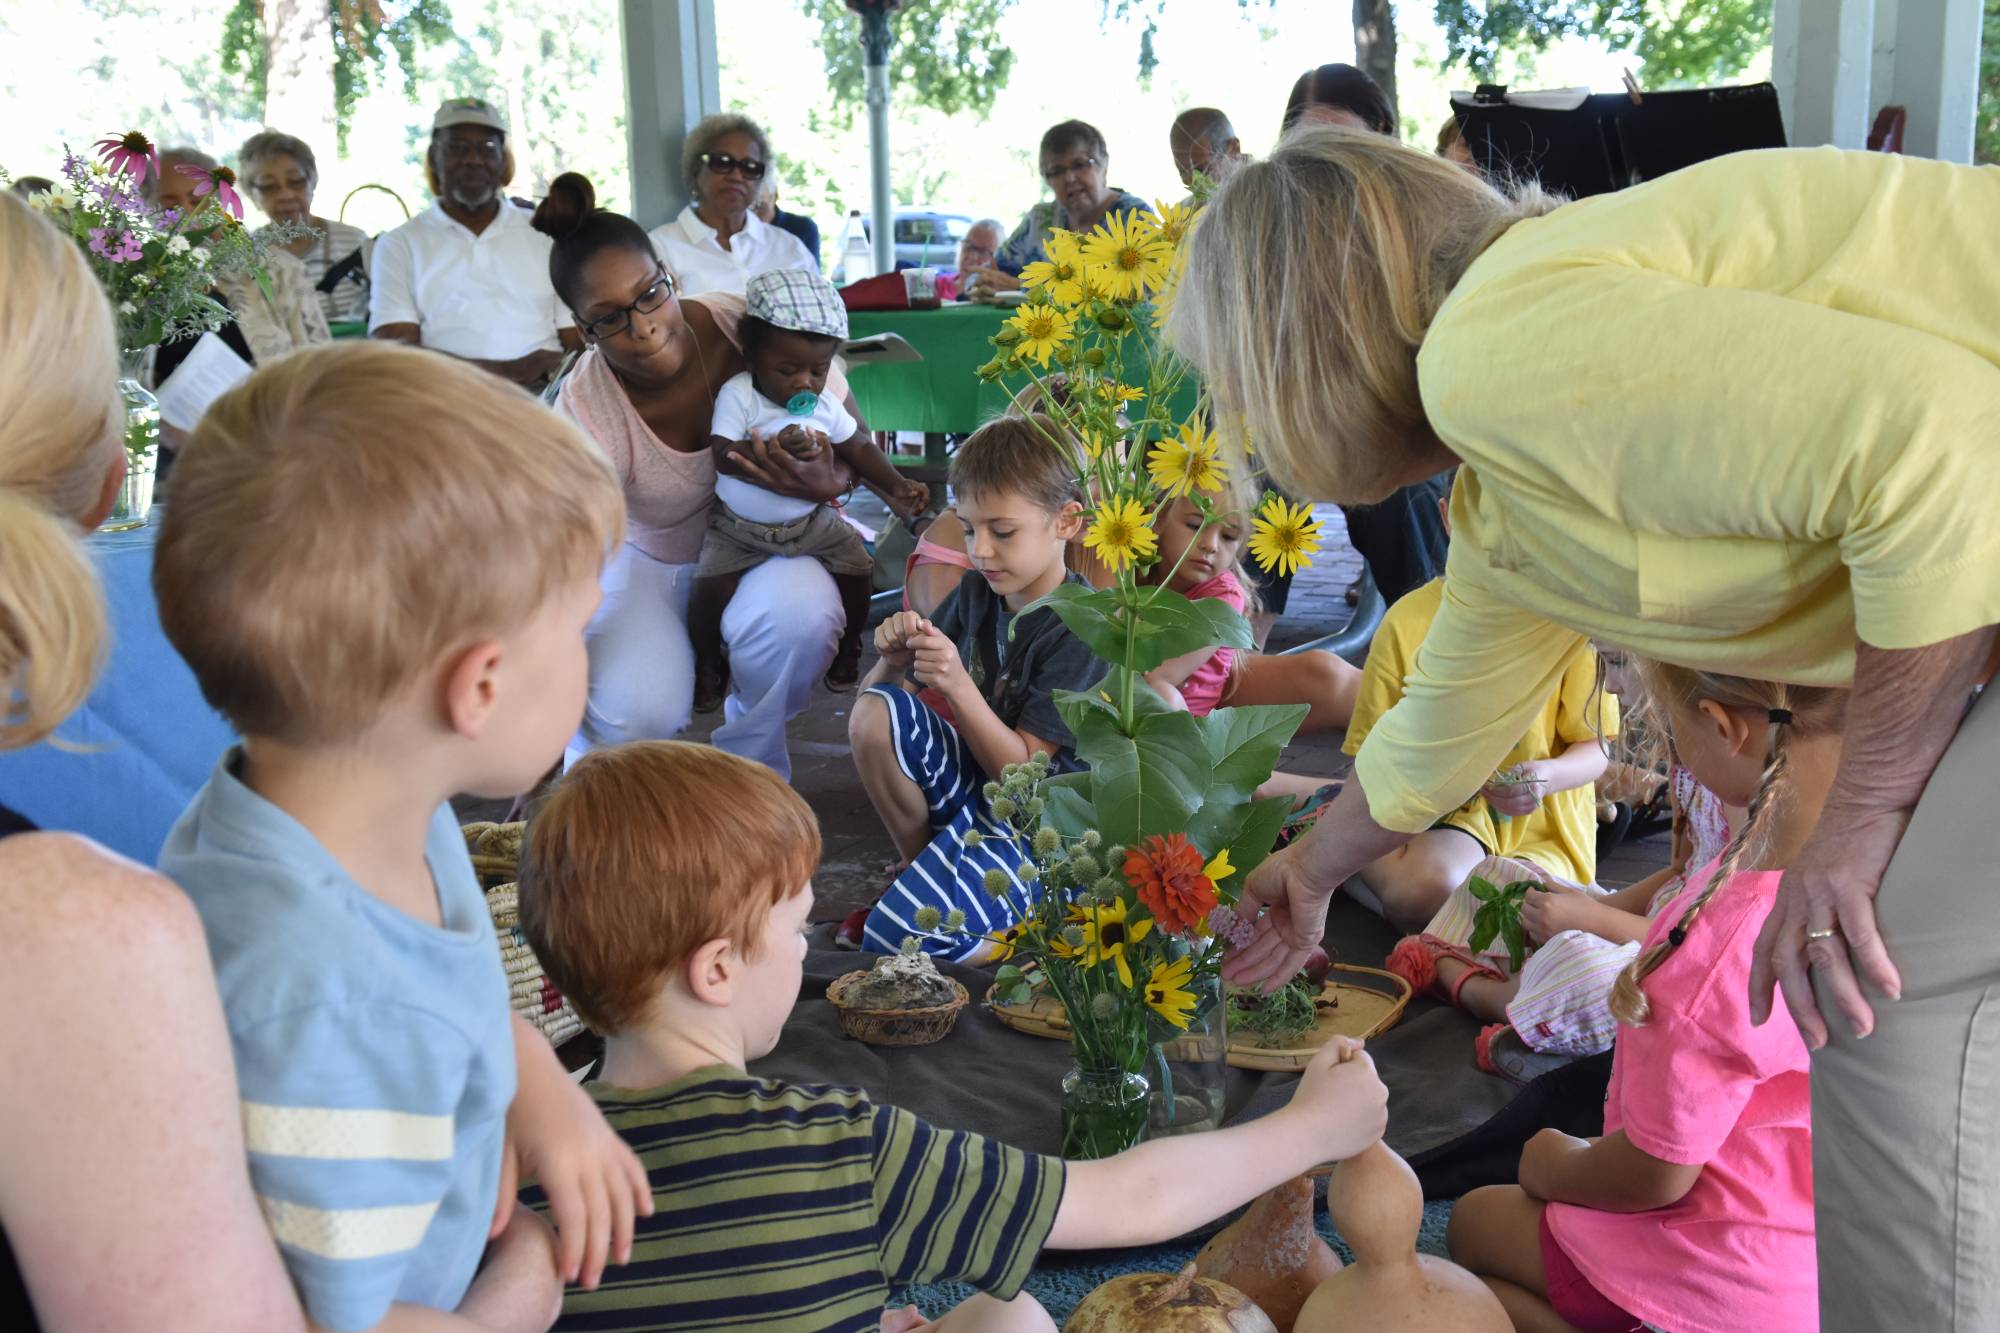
1075,165
645,390
718,243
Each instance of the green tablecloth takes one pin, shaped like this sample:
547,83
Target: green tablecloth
941,393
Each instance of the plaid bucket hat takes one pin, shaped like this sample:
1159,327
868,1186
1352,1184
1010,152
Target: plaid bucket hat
790,298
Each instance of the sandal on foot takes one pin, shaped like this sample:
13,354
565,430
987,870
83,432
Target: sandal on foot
1414,959
1482,1046
847,935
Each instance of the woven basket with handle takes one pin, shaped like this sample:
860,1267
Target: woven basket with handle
496,858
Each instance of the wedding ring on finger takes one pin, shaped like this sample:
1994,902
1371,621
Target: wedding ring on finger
1824,934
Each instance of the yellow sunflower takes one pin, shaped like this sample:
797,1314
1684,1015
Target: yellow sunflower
1043,329
1127,256
1120,534
1189,462
1061,273
1171,222
1283,538
1107,934
1167,992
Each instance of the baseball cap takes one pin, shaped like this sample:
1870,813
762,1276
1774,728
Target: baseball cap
467,111
791,298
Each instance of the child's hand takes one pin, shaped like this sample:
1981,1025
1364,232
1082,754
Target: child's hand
802,444
910,499
557,1137
1521,795
937,665
893,638
1344,1099
1548,911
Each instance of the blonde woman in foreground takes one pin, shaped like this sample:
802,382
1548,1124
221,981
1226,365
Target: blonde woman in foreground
1732,418
124,1193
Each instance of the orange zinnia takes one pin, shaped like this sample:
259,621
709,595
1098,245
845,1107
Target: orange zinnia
1167,875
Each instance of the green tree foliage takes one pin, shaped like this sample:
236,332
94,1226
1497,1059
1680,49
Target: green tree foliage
367,34
946,56
1986,127
1680,42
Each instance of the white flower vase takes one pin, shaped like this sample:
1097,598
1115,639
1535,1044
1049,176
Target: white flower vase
142,446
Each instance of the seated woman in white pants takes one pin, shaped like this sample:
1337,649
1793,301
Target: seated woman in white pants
645,390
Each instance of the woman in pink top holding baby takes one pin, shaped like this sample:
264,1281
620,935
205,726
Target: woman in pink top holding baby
645,390
1694,1211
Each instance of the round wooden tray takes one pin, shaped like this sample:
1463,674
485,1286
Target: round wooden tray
1363,1010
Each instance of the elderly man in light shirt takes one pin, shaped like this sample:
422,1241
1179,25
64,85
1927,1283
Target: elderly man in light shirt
470,277
718,243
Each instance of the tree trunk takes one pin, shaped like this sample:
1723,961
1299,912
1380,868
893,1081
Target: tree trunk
1375,43
298,89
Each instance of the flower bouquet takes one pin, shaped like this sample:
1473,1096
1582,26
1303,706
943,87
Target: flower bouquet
1136,861
158,267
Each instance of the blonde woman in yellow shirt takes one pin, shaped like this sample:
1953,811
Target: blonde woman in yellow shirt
1742,419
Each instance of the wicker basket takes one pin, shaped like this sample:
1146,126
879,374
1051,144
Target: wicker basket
496,854
895,1027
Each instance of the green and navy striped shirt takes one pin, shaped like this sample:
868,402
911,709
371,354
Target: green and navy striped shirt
788,1207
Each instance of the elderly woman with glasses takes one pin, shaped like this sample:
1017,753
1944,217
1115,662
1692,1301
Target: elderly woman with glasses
645,390
280,173
718,243
1076,165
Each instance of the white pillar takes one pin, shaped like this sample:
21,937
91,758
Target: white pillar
1821,59
1936,75
671,81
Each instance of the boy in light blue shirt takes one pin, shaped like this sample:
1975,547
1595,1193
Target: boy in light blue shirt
379,563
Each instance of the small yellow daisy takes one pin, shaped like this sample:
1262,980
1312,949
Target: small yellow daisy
1120,534
1043,329
1127,256
1189,462
1167,992
1283,538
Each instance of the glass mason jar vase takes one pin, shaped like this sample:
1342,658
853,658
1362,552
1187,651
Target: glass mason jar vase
1188,1068
142,445
1103,1110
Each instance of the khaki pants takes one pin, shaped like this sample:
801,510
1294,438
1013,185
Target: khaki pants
1906,1124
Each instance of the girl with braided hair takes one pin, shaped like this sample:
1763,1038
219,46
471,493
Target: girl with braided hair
1694,1211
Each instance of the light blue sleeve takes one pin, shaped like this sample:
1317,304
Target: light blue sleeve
348,1116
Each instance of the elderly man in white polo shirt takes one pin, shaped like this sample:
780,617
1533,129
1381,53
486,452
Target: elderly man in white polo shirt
718,243
469,276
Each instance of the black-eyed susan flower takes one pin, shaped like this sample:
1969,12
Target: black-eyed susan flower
1167,992
1120,534
1107,934
1283,537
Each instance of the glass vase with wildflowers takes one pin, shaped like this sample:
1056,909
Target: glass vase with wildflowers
1137,860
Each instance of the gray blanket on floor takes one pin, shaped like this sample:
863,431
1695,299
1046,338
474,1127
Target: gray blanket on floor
987,1078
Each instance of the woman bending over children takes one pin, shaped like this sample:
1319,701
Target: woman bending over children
1694,1211
988,688
793,325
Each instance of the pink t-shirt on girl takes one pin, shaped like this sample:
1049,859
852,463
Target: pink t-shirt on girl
1203,689
1699,1084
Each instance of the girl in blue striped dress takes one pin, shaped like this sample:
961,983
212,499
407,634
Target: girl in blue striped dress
960,695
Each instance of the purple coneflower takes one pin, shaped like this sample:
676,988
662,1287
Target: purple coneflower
131,152
222,181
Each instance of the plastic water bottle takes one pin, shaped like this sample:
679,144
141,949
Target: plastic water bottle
858,261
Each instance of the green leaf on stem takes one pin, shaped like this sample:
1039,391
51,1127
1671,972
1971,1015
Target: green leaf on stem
1481,889
1244,745
1485,925
1510,933
1149,782
1066,804
1248,829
